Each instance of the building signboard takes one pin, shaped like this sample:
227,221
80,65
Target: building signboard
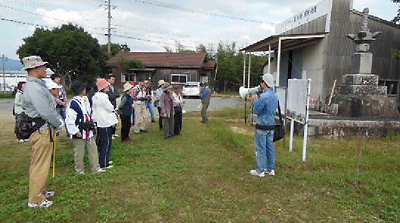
314,12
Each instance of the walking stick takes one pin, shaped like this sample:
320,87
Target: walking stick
54,154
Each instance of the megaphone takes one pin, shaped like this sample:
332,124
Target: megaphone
244,92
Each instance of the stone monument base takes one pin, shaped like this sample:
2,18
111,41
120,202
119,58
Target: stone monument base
351,105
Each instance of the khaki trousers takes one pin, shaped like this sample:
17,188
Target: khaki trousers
79,146
40,164
141,117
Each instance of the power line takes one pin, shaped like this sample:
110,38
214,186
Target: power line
101,34
175,7
90,27
62,20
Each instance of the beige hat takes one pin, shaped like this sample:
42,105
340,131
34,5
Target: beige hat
33,62
127,86
161,82
167,86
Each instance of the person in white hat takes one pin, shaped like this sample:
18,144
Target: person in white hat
265,107
36,100
54,89
125,110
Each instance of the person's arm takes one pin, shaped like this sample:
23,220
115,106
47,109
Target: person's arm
135,93
70,120
258,105
162,105
18,100
122,103
105,103
41,101
203,94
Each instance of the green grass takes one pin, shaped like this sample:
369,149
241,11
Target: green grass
6,95
203,176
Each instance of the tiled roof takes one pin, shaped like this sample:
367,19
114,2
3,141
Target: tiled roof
160,59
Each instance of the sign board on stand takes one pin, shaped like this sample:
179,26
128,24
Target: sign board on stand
297,110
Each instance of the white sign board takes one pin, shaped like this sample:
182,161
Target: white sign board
308,15
297,100
281,94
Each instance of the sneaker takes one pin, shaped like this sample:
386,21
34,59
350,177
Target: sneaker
110,162
44,204
99,170
20,140
48,194
26,140
255,173
116,135
271,173
80,172
109,166
113,137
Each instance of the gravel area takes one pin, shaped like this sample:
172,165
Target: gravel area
191,104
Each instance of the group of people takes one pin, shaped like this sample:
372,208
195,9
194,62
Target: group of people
90,120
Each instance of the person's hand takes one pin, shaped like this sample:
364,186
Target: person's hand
78,135
253,97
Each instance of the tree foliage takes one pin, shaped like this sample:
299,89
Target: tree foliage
396,19
126,64
115,48
230,67
71,52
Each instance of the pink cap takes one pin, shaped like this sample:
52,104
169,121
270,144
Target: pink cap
101,84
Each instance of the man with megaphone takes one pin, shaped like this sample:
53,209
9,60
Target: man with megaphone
264,107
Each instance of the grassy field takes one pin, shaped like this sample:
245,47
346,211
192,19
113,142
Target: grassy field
203,176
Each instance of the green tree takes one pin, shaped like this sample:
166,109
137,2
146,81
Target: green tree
115,48
396,19
126,64
71,52
230,67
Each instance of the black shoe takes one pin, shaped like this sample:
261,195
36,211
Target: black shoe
144,131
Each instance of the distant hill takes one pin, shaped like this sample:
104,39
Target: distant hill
11,64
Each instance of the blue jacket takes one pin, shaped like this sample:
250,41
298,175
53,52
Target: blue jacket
125,107
265,107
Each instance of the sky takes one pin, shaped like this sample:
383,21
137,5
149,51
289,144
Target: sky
147,26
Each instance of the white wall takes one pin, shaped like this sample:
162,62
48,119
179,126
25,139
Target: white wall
313,60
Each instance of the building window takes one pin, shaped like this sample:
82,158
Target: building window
392,86
178,78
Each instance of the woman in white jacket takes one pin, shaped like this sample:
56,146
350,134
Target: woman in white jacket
105,117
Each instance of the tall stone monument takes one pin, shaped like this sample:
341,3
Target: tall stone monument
359,94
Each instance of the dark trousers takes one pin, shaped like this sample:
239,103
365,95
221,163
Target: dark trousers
159,118
177,123
125,126
104,146
168,127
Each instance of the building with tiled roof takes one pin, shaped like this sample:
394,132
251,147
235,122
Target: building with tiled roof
177,68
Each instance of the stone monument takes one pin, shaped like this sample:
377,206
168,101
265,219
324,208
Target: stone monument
359,95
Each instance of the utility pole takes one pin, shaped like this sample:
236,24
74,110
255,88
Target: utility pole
109,27
4,75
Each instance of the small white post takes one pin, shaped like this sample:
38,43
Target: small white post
291,135
244,69
306,120
269,58
249,72
279,62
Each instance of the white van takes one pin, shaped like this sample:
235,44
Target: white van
191,89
